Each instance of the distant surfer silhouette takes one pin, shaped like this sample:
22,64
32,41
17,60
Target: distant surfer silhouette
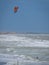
37,57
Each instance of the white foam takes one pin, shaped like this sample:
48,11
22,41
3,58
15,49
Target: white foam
23,41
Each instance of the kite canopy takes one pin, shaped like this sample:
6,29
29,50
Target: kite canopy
16,9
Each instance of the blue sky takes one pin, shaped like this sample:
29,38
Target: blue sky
32,16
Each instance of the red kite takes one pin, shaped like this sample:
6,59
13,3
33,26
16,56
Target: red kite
16,9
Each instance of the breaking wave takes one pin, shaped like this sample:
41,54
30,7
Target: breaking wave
22,49
25,40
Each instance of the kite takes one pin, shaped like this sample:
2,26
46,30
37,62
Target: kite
16,9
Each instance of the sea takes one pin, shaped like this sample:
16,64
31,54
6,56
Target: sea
24,49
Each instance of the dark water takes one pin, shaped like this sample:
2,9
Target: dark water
26,63
2,63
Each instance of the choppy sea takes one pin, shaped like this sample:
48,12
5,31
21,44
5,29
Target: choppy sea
24,49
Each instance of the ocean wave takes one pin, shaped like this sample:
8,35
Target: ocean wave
18,40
